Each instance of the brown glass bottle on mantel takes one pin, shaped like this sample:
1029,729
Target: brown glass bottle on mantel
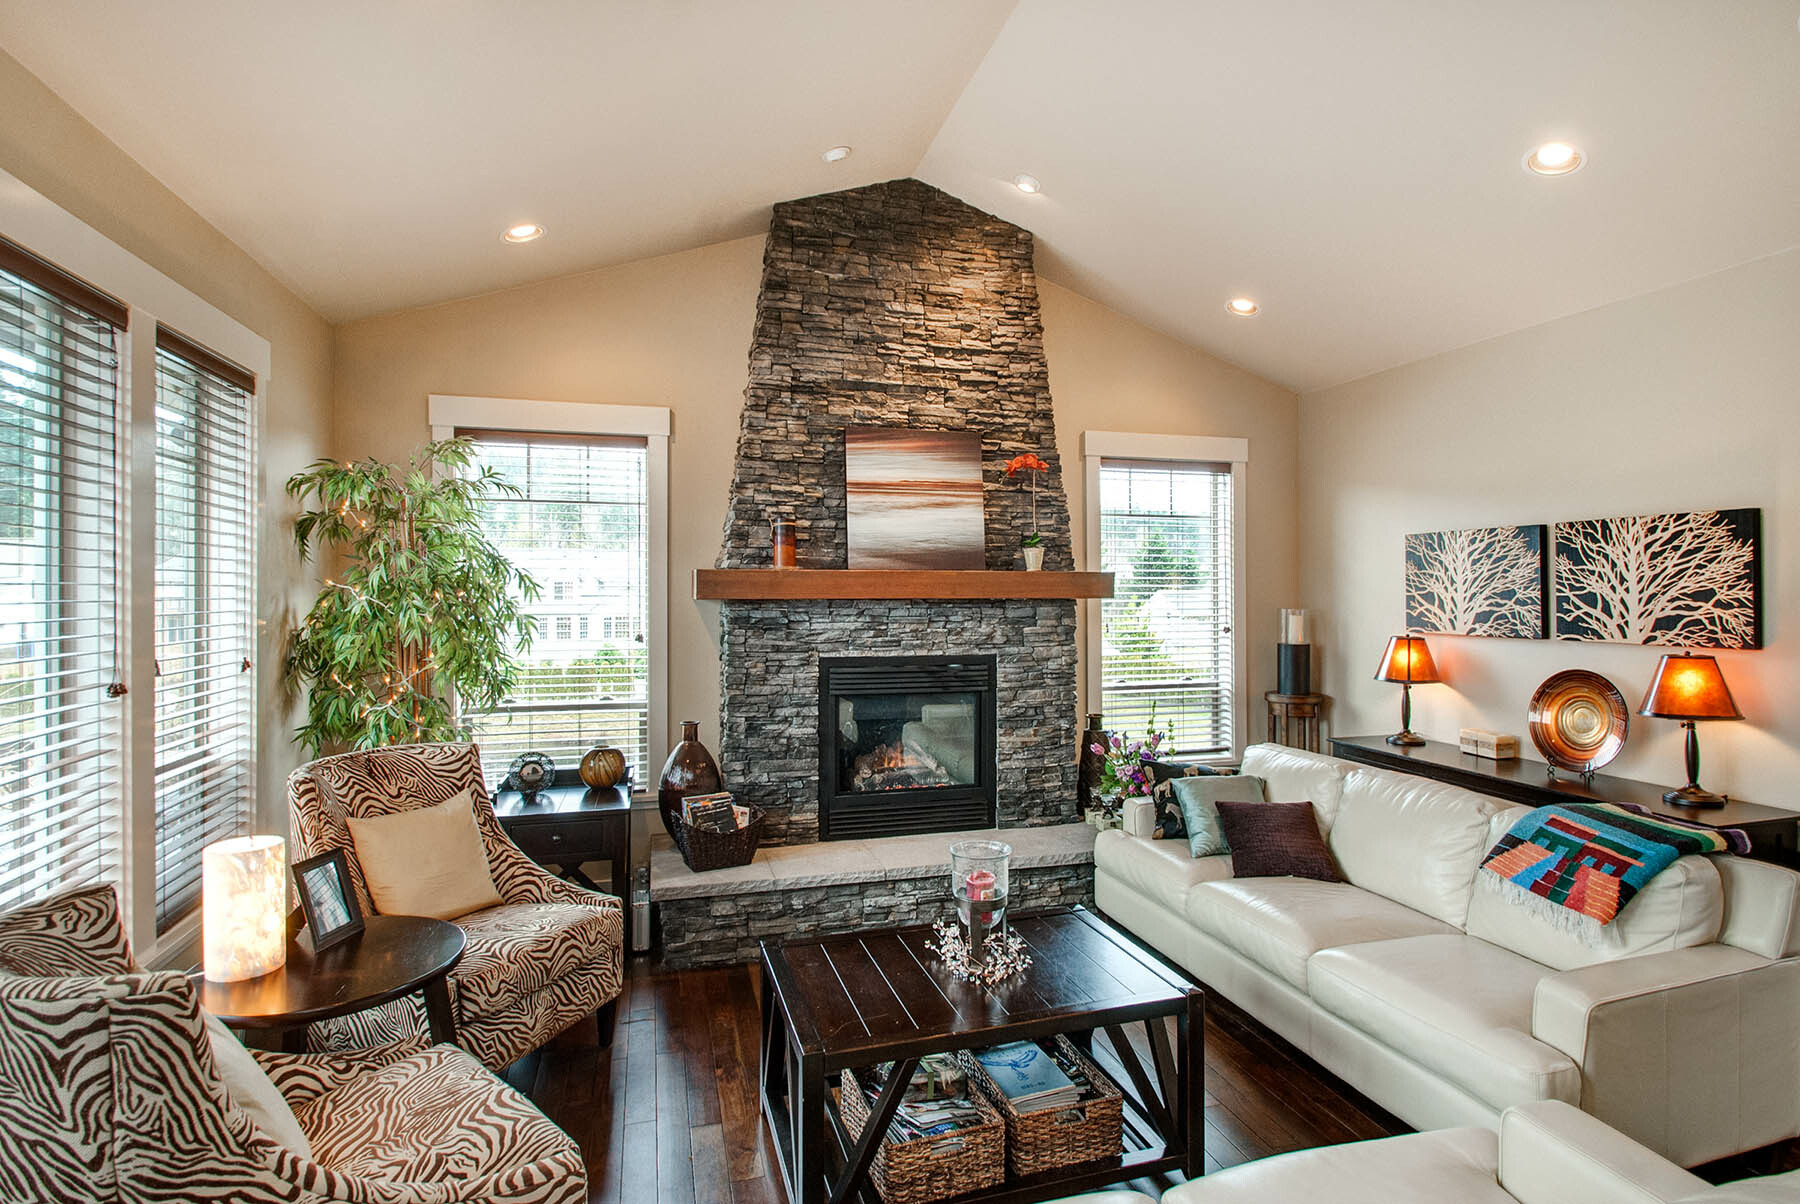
690,769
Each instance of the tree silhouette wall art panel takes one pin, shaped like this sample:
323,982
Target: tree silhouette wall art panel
1690,580
1482,581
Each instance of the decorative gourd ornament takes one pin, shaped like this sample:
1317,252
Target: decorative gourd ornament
602,768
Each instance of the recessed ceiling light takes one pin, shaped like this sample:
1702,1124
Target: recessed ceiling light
1243,307
836,154
523,232
1027,184
1554,159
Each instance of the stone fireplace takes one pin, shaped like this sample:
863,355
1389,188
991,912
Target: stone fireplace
906,745
894,305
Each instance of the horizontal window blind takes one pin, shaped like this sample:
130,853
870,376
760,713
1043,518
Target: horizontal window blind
1166,634
61,775
581,529
205,613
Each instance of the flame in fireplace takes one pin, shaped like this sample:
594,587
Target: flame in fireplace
895,767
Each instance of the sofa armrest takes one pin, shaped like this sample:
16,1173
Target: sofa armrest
303,1077
1139,817
1551,1152
1762,906
1688,1051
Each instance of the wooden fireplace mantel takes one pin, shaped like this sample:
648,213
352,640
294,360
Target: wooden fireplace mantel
770,585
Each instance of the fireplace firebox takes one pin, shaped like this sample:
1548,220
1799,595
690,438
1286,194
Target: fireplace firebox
906,745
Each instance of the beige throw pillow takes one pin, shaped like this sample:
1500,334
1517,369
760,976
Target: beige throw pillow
249,1087
426,862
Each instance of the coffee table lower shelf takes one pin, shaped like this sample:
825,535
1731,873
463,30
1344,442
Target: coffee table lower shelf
1145,1154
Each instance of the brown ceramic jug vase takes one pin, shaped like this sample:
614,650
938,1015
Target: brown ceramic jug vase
690,769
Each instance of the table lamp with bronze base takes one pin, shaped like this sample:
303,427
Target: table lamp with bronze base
1407,661
1689,687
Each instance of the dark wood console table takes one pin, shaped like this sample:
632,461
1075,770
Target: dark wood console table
564,826
1772,831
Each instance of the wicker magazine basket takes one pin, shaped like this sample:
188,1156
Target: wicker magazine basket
705,850
1053,1138
930,1168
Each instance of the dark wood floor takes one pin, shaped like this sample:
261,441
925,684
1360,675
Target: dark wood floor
669,1112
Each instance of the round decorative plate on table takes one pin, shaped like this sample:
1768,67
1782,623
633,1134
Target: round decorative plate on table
1578,720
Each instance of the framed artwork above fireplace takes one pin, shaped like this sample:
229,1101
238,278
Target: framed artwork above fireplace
913,499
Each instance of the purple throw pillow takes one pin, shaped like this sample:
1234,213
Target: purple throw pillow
1274,840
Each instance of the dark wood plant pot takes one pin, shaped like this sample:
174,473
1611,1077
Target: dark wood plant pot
1089,763
690,769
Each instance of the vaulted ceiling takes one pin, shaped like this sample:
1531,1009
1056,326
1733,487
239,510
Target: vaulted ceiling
1356,168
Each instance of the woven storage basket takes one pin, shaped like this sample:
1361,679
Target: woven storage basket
930,1168
704,850
1044,1141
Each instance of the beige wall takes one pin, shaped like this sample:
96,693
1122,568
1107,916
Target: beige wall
1680,400
50,147
675,331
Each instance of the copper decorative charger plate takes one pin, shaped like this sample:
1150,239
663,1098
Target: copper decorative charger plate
1578,720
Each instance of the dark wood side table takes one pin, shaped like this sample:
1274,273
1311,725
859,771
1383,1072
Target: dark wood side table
1295,715
564,826
394,956
852,1001
1772,831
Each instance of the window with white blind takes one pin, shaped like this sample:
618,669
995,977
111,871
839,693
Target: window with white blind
1166,635
61,797
580,528
205,612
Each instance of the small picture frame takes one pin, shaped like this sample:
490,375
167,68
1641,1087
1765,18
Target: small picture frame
333,915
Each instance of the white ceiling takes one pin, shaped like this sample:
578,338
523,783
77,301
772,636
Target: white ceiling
1353,167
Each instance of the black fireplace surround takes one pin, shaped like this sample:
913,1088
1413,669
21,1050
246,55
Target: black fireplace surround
906,745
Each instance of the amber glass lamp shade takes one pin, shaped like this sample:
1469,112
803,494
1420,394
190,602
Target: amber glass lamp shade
1689,687
1408,659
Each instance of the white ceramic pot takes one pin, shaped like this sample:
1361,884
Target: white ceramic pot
1034,558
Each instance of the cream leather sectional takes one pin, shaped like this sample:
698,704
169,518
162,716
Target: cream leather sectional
1447,1005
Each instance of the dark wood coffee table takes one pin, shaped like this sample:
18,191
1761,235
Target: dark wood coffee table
852,1001
394,956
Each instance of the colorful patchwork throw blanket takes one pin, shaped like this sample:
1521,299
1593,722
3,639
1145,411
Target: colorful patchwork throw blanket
1578,864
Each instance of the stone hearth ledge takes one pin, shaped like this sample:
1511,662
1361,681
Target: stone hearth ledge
836,862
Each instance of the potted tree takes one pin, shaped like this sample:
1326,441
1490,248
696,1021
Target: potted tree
418,622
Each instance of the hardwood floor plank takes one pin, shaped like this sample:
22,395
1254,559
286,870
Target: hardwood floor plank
640,1069
735,1069
637,1170
711,1183
674,1161
700,993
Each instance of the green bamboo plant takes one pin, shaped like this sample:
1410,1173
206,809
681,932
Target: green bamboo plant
418,624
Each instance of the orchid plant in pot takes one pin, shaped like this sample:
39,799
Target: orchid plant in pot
1125,772
1033,540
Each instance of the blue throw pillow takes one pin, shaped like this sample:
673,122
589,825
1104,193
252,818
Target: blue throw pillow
1199,799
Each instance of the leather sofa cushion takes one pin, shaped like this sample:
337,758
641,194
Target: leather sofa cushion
1456,1005
1682,906
1415,841
1449,1166
1293,775
1279,923
1160,870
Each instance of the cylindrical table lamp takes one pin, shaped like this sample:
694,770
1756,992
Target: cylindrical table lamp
1293,655
243,896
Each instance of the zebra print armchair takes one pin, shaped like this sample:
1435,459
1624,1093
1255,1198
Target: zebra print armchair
109,1092
549,955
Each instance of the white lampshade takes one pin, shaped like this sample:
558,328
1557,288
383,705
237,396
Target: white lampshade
244,899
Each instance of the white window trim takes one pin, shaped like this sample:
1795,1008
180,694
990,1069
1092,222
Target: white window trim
1207,449
45,228
446,412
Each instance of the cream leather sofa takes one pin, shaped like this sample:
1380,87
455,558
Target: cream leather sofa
1446,1004
1544,1153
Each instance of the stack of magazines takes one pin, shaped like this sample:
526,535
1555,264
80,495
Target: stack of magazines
714,812
937,1099
1036,1078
